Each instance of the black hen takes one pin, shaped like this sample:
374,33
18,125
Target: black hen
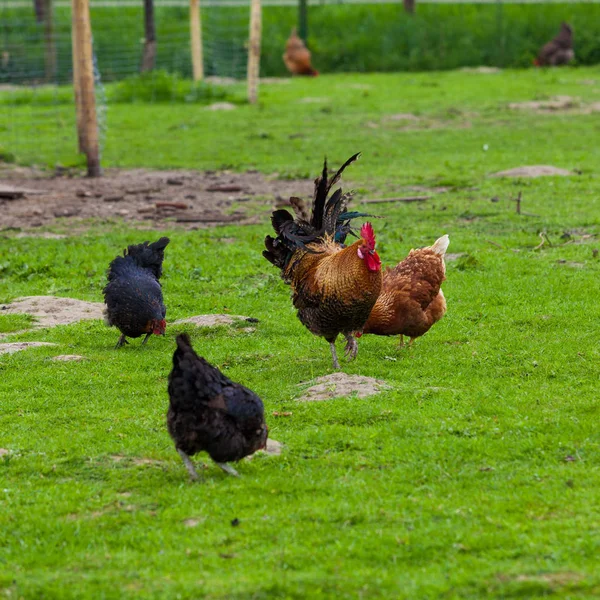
133,295
209,412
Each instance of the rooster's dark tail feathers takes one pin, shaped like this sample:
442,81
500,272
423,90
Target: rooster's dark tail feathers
328,218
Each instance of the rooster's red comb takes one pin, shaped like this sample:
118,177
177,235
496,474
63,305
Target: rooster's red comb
367,234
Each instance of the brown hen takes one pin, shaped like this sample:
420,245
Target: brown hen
334,287
297,56
559,50
411,299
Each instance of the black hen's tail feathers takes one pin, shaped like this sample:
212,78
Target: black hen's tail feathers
147,255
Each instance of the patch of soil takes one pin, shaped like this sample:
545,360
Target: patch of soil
221,106
338,385
214,320
273,448
4,452
452,256
43,235
12,347
534,171
483,70
402,117
68,357
232,81
558,103
190,199
135,460
51,311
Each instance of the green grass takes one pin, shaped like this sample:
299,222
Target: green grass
475,475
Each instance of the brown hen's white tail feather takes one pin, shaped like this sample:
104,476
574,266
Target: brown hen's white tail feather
441,245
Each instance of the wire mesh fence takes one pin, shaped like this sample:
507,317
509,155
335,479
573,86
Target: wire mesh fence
36,66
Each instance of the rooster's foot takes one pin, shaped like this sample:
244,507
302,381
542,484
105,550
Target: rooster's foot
351,349
228,469
146,338
336,362
189,465
122,341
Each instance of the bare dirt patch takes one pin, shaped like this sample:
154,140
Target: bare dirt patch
557,104
215,320
12,347
43,235
338,385
221,106
136,460
452,256
51,311
274,448
190,199
482,70
68,358
534,171
402,117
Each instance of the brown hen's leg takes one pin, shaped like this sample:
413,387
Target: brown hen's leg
351,349
336,362
146,338
401,343
228,469
122,341
411,342
189,465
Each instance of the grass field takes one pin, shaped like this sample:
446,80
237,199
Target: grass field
474,475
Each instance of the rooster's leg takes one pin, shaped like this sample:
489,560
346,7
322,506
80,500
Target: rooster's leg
228,469
411,342
146,338
336,362
401,343
122,341
189,465
351,347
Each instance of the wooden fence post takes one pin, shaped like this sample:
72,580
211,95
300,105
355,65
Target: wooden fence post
254,50
83,71
303,20
76,80
149,54
49,41
196,38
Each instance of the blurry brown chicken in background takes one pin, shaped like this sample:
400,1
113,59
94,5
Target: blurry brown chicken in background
297,56
411,299
558,51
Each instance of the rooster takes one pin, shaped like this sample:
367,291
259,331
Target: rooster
334,287
297,56
133,295
558,51
209,412
411,299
